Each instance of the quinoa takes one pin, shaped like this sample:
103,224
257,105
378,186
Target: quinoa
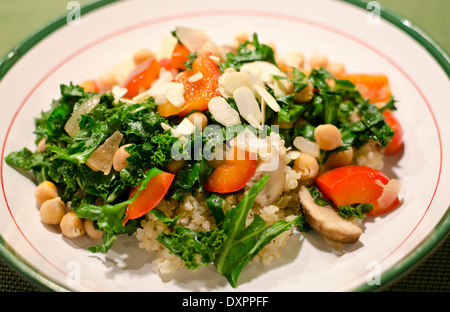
195,215
371,155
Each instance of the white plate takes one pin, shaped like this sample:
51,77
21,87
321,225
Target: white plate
60,53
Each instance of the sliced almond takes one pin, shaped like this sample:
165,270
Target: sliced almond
390,192
210,48
232,80
268,98
222,112
118,92
166,126
253,67
263,111
280,87
247,141
175,94
172,91
215,59
168,43
165,76
185,127
192,39
248,106
266,71
195,77
263,70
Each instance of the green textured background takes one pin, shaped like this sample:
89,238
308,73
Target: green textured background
20,18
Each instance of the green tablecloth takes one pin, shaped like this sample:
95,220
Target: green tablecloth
20,18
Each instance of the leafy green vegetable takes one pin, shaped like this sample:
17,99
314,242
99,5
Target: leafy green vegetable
244,54
63,161
390,105
191,178
243,243
289,111
51,124
299,80
215,205
336,106
317,196
109,217
187,244
191,58
231,245
354,211
345,211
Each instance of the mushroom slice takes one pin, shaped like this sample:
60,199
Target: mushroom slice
326,221
274,167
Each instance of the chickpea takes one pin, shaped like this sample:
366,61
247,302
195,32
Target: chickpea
199,120
45,191
328,137
175,166
142,55
336,69
295,59
107,81
240,37
91,230
72,226
52,211
307,165
318,60
306,94
284,124
120,158
218,158
339,159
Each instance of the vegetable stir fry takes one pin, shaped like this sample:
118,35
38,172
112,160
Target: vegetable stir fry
269,145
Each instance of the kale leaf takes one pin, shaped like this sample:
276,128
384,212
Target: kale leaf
191,58
231,245
243,243
187,244
354,211
109,217
63,160
345,211
336,103
245,54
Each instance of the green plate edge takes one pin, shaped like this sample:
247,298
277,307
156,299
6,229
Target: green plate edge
433,240
442,229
